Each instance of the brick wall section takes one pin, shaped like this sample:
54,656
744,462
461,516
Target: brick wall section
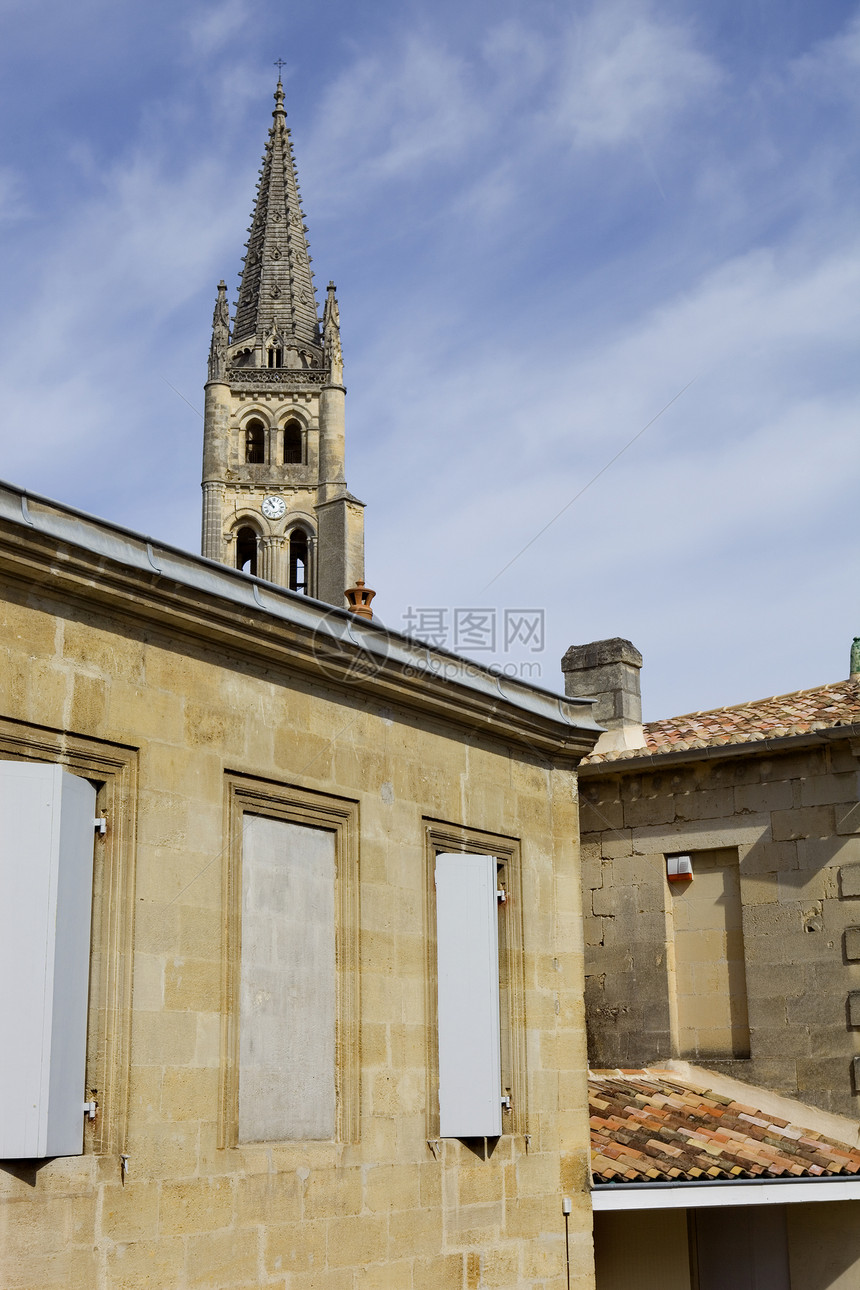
791,816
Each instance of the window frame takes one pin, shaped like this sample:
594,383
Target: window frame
440,836
113,768
246,794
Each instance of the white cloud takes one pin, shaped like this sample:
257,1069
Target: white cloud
392,116
700,517
213,25
624,73
518,52
612,76
832,65
13,205
94,330
546,307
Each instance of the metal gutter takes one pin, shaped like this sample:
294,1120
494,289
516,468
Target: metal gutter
722,1192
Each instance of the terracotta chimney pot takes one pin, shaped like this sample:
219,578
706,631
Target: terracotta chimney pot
359,598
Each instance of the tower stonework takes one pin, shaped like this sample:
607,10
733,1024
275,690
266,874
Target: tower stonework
275,500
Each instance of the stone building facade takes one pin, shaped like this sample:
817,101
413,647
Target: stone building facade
750,965
275,500
277,782
720,866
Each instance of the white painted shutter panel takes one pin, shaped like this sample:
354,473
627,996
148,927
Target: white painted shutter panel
46,878
467,951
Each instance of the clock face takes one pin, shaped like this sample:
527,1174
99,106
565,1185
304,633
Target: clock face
273,507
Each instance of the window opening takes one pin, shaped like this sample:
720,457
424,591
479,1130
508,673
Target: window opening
505,986
276,356
255,442
469,860
710,972
468,1013
48,815
113,772
287,982
292,444
299,561
246,551
291,1070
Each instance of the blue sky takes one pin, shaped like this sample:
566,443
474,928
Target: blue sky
545,221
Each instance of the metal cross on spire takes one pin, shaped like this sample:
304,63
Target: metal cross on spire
279,63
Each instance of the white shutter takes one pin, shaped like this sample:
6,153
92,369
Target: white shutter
46,876
467,950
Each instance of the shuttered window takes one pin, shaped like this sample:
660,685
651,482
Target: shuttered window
467,949
46,882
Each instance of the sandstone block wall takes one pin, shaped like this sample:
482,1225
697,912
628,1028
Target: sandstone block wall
790,819
160,722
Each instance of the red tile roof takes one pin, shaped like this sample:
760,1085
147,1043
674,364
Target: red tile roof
799,713
653,1126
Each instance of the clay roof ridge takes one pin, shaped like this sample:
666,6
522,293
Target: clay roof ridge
754,703
754,721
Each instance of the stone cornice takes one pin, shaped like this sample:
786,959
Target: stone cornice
65,553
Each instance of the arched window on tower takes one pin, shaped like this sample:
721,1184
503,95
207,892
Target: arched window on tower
255,442
275,355
299,562
246,551
293,454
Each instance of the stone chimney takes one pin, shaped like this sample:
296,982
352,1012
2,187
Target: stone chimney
607,672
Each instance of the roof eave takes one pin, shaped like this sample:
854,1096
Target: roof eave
718,752
54,548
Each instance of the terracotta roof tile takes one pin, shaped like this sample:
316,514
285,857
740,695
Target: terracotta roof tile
823,708
651,1125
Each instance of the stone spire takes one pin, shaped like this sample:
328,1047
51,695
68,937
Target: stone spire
220,335
276,295
275,499
331,336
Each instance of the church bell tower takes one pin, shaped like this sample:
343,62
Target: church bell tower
275,501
